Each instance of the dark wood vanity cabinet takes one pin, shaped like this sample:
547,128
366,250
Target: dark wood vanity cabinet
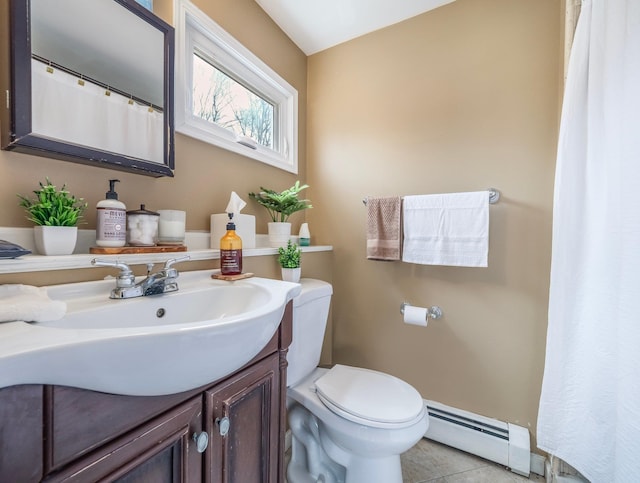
243,417
63,434
161,450
21,434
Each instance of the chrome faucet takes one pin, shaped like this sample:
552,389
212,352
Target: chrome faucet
155,283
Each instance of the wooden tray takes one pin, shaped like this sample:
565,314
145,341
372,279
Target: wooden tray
231,278
134,250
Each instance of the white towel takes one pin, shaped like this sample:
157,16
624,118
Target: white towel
448,229
28,303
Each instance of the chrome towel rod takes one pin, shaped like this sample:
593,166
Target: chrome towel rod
494,196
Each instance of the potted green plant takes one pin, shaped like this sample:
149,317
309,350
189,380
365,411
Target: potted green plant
289,260
56,214
280,206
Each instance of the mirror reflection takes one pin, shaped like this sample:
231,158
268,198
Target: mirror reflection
97,62
99,82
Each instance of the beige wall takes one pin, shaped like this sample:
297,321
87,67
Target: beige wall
204,175
459,99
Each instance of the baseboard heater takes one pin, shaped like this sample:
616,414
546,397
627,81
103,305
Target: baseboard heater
504,443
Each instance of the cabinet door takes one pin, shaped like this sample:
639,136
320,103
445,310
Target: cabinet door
21,434
249,452
163,450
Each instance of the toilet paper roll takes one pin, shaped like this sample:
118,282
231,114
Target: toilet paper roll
415,315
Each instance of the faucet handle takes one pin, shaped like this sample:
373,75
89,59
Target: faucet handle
171,261
124,268
125,278
149,268
172,272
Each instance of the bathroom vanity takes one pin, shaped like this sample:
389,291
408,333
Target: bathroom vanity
57,433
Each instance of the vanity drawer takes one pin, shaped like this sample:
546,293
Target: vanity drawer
80,421
160,450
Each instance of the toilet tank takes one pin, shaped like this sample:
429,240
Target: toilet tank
310,312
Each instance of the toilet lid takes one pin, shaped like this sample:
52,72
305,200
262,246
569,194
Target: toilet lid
369,397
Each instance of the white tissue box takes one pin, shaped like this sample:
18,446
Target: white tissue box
245,228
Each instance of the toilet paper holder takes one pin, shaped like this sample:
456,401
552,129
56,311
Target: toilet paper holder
433,312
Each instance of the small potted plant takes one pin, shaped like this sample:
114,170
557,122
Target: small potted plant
289,260
56,214
280,206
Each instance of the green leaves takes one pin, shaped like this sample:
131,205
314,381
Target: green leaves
281,205
289,257
52,207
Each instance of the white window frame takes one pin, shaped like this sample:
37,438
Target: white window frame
196,31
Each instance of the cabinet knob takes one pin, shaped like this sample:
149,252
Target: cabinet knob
223,425
202,441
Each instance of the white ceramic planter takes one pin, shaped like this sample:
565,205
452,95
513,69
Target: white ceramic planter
291,274
55,240
279,234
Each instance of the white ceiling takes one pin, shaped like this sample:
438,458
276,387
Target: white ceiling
316,25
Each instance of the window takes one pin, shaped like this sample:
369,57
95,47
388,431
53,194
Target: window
226,96
220,99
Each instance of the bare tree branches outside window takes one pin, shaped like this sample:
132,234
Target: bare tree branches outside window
220,99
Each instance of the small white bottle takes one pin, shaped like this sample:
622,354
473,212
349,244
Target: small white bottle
304,237
111,221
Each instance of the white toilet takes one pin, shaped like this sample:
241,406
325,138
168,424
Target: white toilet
347,424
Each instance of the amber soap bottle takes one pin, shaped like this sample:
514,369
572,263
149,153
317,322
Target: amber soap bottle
231,250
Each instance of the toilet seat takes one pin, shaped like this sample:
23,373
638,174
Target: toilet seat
370,398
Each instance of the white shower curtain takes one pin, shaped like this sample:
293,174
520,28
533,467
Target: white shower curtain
84,115
589,411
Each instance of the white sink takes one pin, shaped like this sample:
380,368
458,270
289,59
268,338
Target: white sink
144,346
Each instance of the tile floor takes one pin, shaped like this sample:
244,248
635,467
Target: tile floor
429,461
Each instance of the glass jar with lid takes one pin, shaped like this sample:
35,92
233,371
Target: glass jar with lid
142,227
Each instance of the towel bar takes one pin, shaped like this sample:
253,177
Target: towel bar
494,196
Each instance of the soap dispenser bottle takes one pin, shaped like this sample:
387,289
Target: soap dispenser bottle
111,219
231,250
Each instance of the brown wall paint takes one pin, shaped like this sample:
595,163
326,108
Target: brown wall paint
462,98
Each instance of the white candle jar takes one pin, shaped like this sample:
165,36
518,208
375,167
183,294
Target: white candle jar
142,227
171,228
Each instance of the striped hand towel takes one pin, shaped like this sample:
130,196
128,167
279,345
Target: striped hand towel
383,228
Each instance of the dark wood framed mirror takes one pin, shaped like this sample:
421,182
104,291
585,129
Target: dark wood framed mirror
89,82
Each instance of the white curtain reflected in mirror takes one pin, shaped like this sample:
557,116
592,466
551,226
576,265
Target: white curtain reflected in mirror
98,80
86,49
67,107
